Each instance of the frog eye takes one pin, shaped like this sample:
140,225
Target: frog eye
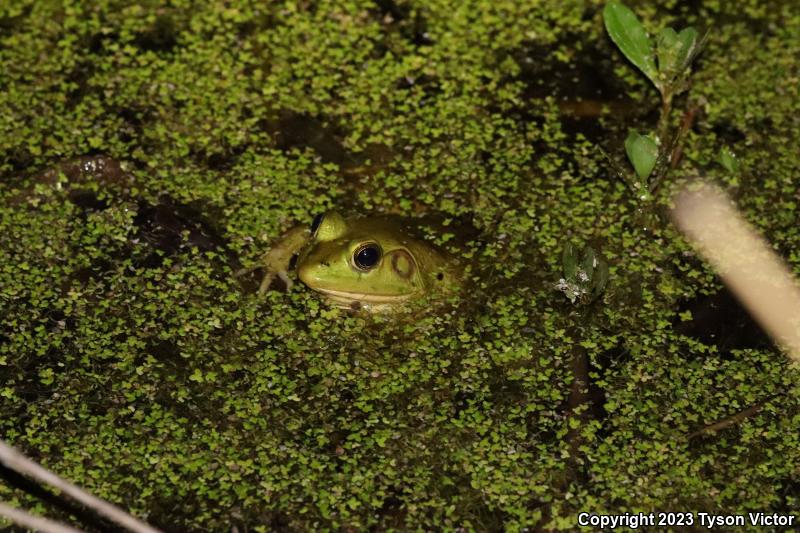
367,256
316,223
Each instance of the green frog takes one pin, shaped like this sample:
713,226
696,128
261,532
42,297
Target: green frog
376,263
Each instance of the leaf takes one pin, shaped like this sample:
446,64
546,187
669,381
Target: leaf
688,48
631,38
667,38
667,49
600,278
589,262
728,160
569,261
642,152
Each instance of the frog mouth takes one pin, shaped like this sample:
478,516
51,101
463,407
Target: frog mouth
350,296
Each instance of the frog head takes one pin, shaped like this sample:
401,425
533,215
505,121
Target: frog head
371,261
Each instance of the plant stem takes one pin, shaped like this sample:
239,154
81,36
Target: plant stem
663,120
731,420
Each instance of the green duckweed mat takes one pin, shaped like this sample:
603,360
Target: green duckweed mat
134,363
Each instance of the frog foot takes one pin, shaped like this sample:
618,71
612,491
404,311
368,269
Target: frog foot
269,276
278,260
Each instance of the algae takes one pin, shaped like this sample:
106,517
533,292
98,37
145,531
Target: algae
133,362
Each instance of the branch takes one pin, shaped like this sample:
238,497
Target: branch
14,460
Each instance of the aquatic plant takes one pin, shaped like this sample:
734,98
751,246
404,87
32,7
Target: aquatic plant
667,64
585,274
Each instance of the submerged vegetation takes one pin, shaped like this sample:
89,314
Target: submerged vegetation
585,274
133,361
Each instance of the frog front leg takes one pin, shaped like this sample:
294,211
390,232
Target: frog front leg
277,260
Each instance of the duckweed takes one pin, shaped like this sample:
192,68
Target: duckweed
134,363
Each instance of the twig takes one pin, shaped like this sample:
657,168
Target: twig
686,123
619,171
14,460
578,399
670,155
36,523
731,420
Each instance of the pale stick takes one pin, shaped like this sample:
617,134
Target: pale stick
14,460
746,263
35,523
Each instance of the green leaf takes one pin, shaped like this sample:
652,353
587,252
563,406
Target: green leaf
642,152
728,160
569,261
47,376
631,38
667,48
667,38
600,278
688,48
589,262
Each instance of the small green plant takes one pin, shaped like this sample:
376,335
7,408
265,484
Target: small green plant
642,151
585,274
728,160
667,64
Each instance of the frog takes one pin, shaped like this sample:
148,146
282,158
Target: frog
376,263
